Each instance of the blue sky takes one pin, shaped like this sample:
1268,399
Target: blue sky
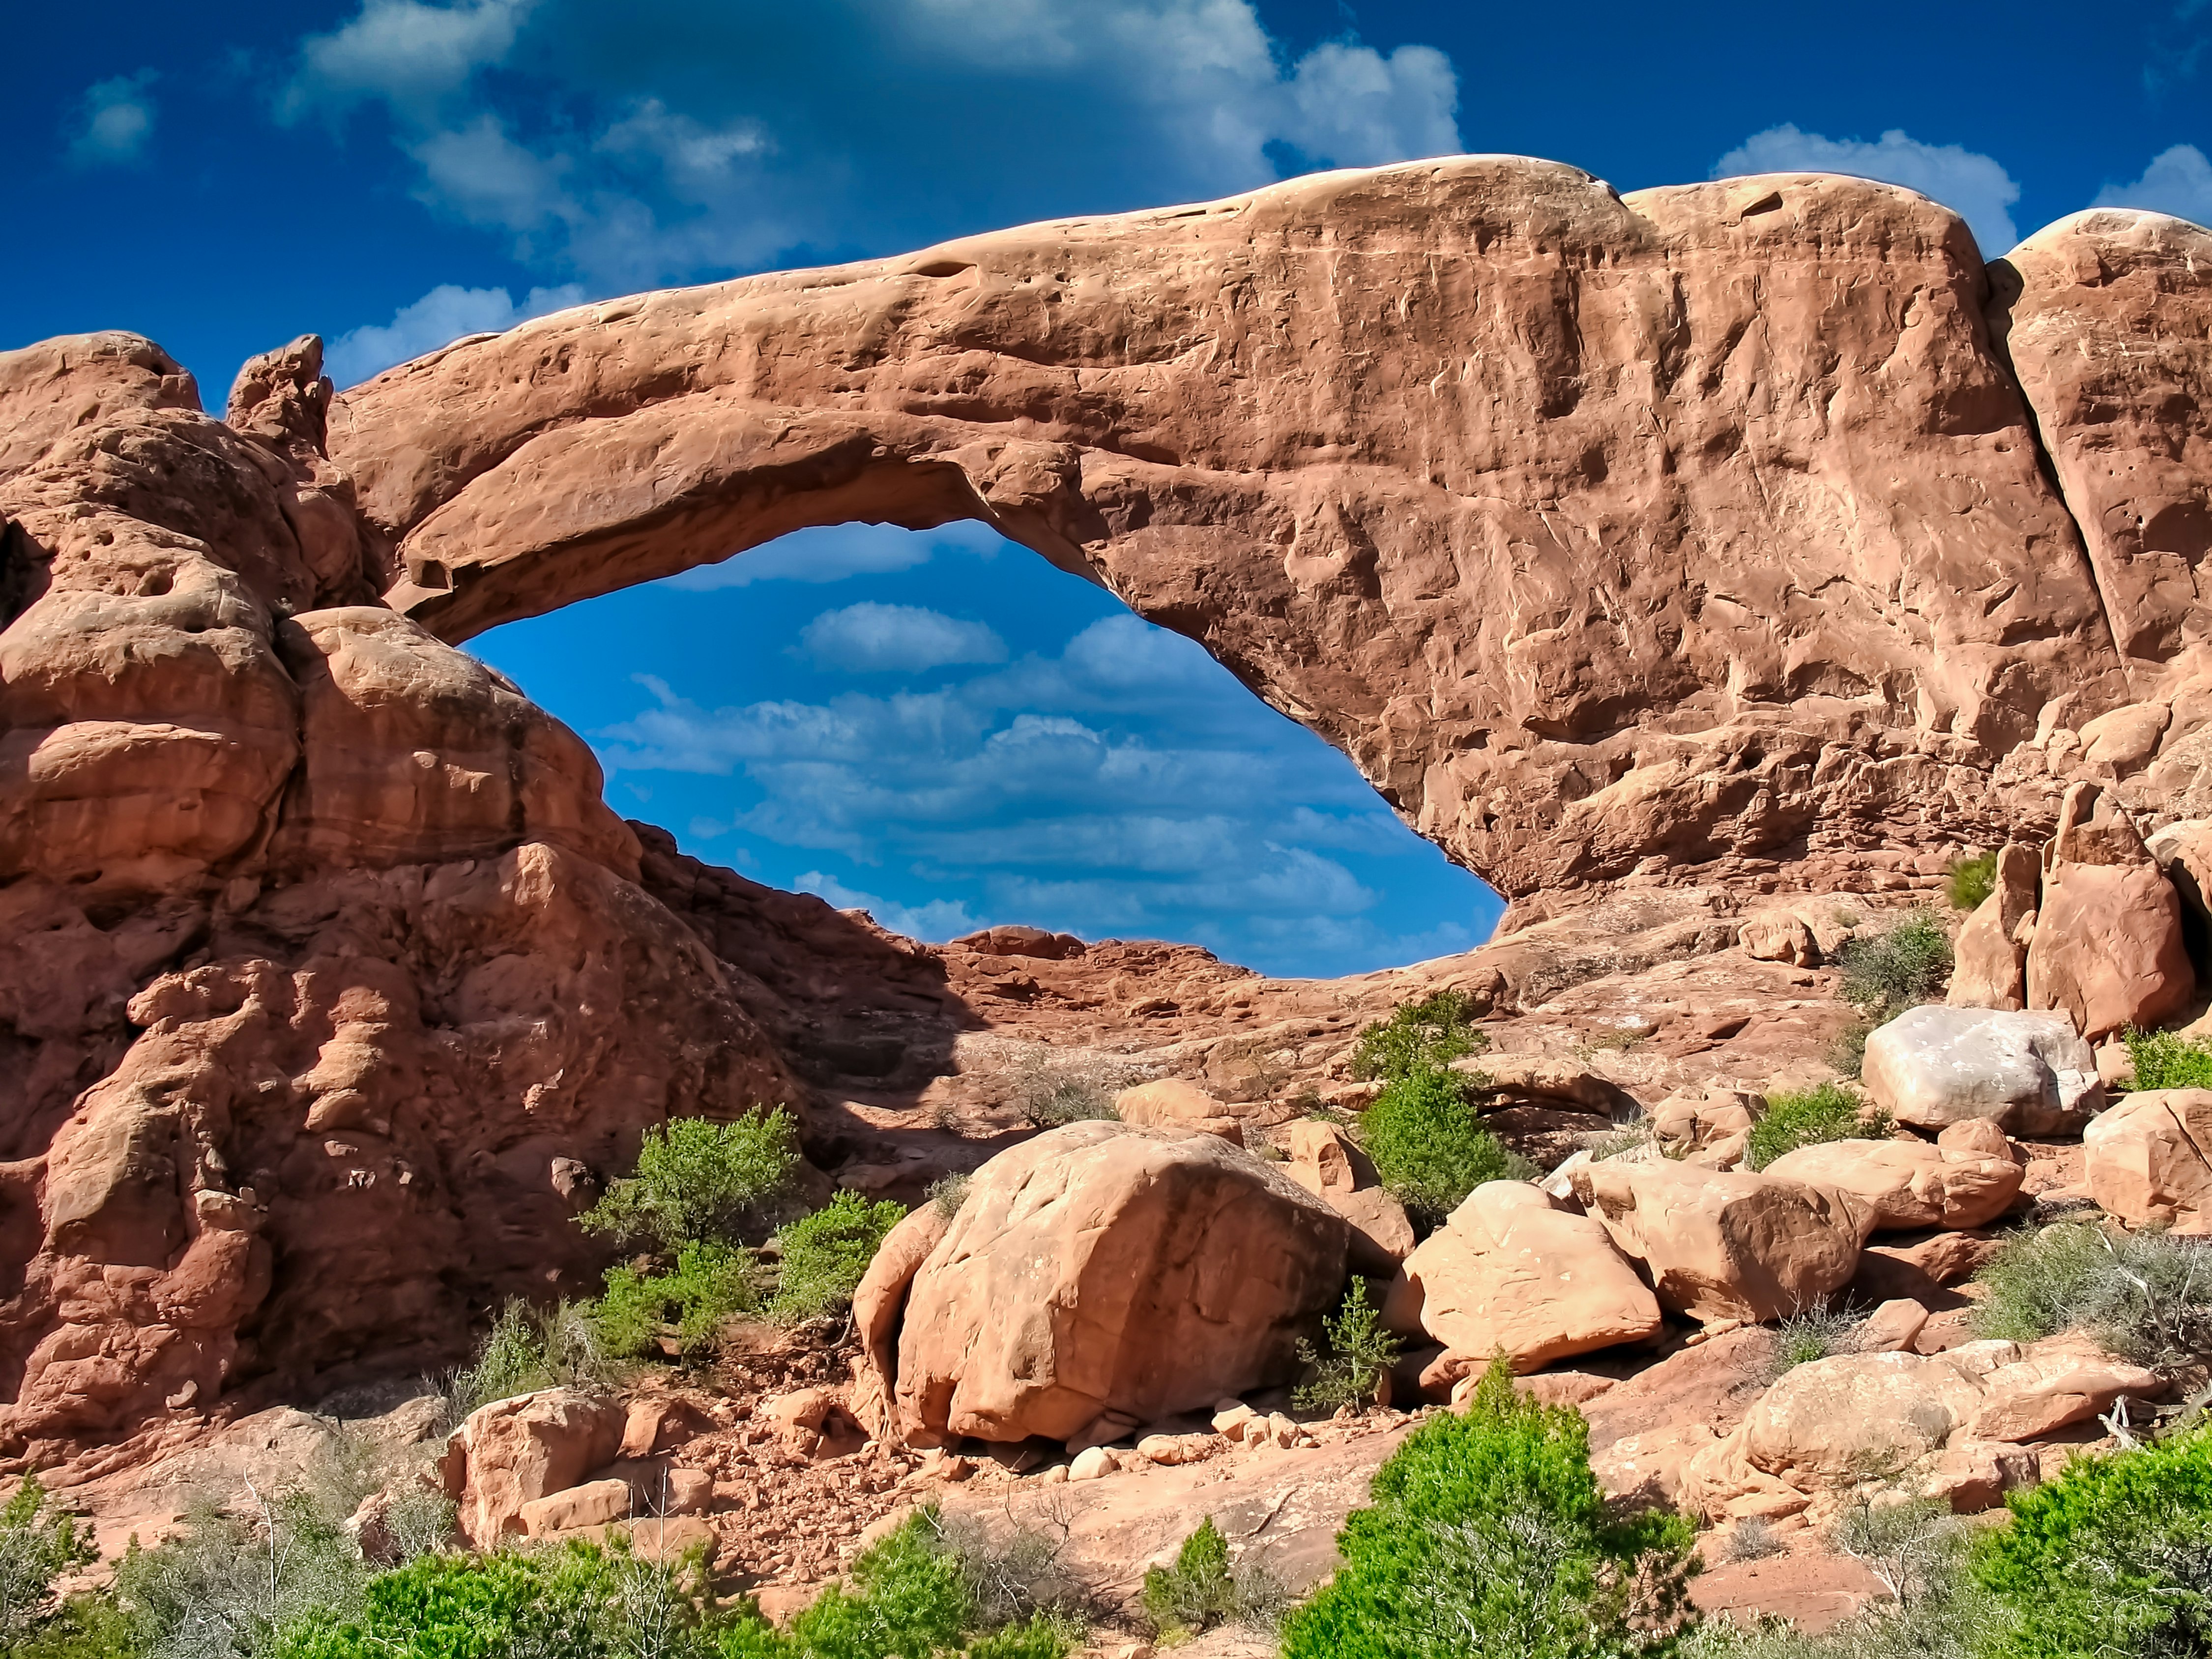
942,727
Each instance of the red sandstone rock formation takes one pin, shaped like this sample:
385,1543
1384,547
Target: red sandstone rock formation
1612,537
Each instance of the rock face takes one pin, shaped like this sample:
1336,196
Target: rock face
1989,970
1905,1185
2107,950
513,1453
1330,1165
1721,1246
2148,1160
1106,1271
1511,1272
1184,405
2032,1073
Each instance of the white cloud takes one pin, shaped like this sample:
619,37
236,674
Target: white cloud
935,921
872,638
448,312
409,55
1974,185
688,150
831,553
2178,181
1353,106
118,121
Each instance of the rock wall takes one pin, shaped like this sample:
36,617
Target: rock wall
1702,537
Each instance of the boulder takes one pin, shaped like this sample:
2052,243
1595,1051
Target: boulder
1102,1269
514,1452
1906,1186
2032,1073
1705,1119
2183,851
2059,1382
1990,959
1717,1245
1508,1272
592,1504
1543,1077
1329,1164
879,1305
1920,1268
1804,935
2108,950
2148,1160
1831,1421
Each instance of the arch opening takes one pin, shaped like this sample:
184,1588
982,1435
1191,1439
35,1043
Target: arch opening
942,728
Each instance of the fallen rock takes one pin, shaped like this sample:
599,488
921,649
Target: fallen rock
1905,1185
1171,1103
2108,950
1104,1268
592,1504
1829,1421
1329,1164
1720,1246
2148,1160
514,1452
1542,1077
2057,1382
1510,1272
2032,1073
1990,958
1707,1118
1920,1269
1804,935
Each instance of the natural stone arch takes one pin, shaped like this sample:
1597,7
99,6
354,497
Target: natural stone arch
1700,523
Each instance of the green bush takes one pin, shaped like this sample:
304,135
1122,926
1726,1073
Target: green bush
1972,880
2162,1059
237,1586
528,1349
2114,1558
711,1283
1360,1355
1198,1591
1810,1117
1428,1034
2147,1295
37,1546
1886,972
697,1179
1489,1534
825,1254
1428,1143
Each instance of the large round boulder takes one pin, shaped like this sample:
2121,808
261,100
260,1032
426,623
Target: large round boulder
1106,1272
1933,1066
1906,1186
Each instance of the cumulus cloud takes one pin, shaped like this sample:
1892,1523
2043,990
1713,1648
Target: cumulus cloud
448,312
117,121
937,920
1974,185
691,139
2178,181
872,638
831,553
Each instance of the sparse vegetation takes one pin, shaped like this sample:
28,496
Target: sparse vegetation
1052,1089
2147,1295
1360,1355
1900,968
825,1254
1753,1539
2165,1060
948,1192
1808,1117
37,1545
1847,1054
1429,1146
528,1349
697,1179
1813,1334
1488,1534
1972,880
1423,1035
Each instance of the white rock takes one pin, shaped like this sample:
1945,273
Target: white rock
1932,1066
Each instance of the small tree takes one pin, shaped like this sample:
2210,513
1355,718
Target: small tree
1429,1146
1428,1034
697,1179
826,1254
1360,1355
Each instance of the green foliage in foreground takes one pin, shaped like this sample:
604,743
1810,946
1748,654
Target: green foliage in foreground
1360,1355
2147,1296
1427,1035
825,1254
1808,1117
711,1282
1886,972
2114,1557
2164,1060
1489,1534
37,1546
1429,1146
1972,880
699,1180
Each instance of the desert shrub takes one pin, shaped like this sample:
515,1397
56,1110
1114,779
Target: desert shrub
1813,1334
528,1349
237,1585
2114,1557
1051,1089
1972,880
1419,1036
37,1545
948,1192
825,1254
1618,1142
697,1179
2163,1060
1360,1355
1753,1539
90,1626
1198,1591
1428,1143
2146,1295
1847,1054
1488,1534
1808,1117
1902,966
711,1282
